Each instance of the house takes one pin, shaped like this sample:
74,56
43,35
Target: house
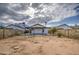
64,26
38,29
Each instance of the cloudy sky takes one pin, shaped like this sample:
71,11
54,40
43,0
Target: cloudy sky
37,12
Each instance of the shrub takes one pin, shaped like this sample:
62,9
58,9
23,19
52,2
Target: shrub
59,34
26,31
75,36
53,31
49,31
17,33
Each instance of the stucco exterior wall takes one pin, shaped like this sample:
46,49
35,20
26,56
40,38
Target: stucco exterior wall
39,31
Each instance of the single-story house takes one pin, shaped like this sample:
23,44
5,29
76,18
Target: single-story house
38,29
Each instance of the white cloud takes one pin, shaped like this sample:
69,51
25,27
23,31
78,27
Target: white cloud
52,10
57,20
58,11
13,21
30,12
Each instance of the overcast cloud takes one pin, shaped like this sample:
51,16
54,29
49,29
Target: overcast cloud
36,12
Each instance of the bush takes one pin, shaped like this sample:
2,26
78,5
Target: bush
17,33
74,36
59,34
53,31
49,31
26,31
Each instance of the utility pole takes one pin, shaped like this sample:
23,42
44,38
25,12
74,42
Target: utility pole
76,27
24,27
45,24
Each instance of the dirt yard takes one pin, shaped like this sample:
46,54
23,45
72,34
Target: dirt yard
39,45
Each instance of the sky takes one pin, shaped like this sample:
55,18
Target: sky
32,13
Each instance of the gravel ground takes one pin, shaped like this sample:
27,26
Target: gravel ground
39,45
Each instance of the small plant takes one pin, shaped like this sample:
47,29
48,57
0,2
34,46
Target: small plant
52,31
74,36
49,31
59,34
17,33
26,31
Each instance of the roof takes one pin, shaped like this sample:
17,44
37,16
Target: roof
37,25
64,26
14,27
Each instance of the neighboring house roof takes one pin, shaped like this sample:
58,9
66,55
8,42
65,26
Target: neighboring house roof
64,26
76,27
20,26
14,27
